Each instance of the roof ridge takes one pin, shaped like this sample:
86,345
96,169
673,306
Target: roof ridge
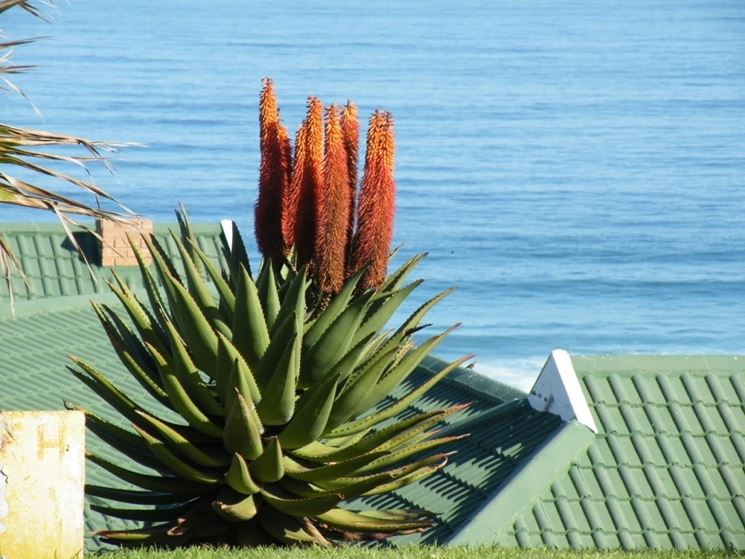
634,364
524,487
53,305
474,381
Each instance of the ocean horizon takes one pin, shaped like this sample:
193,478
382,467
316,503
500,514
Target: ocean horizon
575,170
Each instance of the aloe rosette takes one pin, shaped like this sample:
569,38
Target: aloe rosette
280,402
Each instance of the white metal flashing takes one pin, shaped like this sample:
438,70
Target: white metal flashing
557,390
227,230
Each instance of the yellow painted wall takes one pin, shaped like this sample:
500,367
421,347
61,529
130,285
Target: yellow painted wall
42,472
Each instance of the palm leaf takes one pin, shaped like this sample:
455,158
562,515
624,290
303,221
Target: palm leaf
35,154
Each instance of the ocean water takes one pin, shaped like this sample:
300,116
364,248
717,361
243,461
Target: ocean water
576,169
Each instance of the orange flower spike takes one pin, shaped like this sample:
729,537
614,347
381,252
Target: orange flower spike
377,202
291,201
286,228
309,181
350,128
332,210
273,175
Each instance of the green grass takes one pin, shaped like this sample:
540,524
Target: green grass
419,552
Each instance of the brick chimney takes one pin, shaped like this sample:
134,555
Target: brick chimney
114,242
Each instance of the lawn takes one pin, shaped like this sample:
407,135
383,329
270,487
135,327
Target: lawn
422,552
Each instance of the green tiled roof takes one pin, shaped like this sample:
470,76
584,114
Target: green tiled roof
667,468
51,267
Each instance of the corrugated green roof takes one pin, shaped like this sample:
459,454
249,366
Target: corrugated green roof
667,468
34,376
51,267
502,438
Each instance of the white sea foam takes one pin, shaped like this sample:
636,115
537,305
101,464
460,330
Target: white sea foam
520,373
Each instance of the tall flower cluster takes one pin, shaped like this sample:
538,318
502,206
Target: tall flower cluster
274,174
309,207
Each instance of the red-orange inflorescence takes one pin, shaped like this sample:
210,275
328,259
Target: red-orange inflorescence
292,195
308,200
332,210
350,129
372,241
307,180
273,175
286,146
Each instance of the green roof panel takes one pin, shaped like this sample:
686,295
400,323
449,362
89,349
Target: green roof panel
52,268
667,468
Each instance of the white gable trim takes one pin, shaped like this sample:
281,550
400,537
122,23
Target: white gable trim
557,390
227,230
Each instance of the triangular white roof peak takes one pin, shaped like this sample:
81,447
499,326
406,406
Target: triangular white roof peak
227,229
557,390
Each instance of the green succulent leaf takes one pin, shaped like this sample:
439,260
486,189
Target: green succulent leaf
227,297
331,471
188,375
250,332
179,466
382,311
234,506
157,483
289,529
194,280
337,305
346,520
131,352
310,506
137,497
240,375
396,279
390,411
180,399
269,466
193,325
144,515
311,415
334,343
239,476
267,285
183,446
242,433
278,402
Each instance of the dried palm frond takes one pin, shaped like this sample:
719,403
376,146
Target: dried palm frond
34,153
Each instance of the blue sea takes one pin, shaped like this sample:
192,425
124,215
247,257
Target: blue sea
576,169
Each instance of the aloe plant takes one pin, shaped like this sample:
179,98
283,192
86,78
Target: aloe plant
281,388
